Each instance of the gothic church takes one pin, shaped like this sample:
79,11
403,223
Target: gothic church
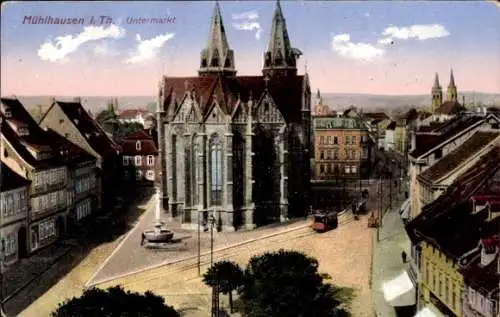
237,147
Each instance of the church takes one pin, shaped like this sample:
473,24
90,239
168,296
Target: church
236,149
445,110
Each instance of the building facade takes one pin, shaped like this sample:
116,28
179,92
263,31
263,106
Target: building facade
237,147
71,121
31,152
140,158
342,148
13,215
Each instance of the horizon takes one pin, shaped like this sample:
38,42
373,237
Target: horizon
375,48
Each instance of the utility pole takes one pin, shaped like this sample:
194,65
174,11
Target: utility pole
199,245
379,207
215,288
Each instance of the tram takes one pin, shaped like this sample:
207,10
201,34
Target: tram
324,221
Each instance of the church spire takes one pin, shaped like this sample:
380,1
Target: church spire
436,94
452,93
217,57
280,57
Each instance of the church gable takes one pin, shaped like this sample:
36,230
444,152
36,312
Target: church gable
215,114
239,114
187,111
268,112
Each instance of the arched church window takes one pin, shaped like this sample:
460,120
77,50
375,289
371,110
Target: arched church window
203,62
215,170
228,63
267,59
215,59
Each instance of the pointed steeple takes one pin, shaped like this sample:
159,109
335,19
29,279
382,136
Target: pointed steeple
217,57
452,79
436,94
280,57
436,82
452,93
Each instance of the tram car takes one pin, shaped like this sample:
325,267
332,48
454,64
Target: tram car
324,221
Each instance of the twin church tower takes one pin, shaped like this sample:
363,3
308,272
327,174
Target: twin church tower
437,93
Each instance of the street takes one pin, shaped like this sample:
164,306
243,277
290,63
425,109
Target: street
344,253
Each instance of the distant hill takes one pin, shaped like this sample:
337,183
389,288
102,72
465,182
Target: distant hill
336,101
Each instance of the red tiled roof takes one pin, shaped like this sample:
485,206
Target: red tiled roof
148,146
426,143
89,128
37,138
458,156
10,179
287,92
450,108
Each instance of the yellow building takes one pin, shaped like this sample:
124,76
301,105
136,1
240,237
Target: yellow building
441,280
444,234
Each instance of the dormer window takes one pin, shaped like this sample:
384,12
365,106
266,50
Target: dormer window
23,132
87,135
8,114
138,145
76,121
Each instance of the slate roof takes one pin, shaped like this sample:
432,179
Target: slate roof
287,92
10,179
458,156
426,142
447,223
37,138
148,145
483,279
89,128
74,154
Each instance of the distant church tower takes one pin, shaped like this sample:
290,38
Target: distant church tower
437,95
217,57
280,59
452,93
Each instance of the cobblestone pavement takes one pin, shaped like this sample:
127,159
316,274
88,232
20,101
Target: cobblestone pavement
84,264
344,253
131,257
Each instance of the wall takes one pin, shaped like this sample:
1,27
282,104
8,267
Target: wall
441,277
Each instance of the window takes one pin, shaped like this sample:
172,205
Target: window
336,154
353,169
321,154
347,139
329,139
138,145
353,154
138,175
150,175
440,285
427,273
151,160
216,170
126,176
321,140
453,298
330,154
335,140
353,139
438,154
8,114
347,169
138,160
125,160
328,169
10,243
321,168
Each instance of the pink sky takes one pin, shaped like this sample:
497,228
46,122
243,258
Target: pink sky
411,75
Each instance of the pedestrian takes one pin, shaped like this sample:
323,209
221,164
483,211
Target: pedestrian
403,256
143,237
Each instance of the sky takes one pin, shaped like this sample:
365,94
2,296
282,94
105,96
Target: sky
373,47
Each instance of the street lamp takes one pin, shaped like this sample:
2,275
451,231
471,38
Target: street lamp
215,288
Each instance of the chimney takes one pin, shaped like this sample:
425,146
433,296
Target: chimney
413,140
463,100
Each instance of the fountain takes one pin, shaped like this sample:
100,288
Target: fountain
159,235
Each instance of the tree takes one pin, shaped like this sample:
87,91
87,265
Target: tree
228,275
115,302
288,284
